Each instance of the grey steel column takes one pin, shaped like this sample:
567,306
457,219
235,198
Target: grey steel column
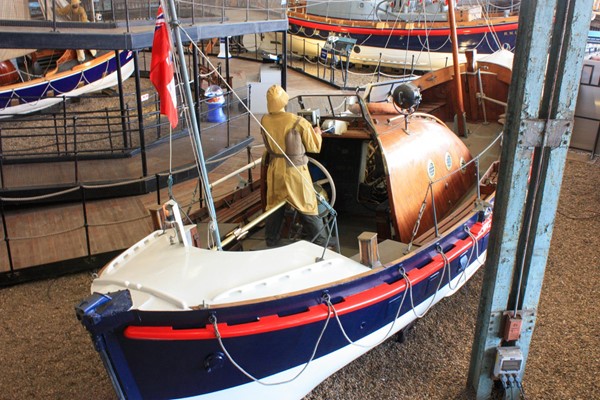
227,53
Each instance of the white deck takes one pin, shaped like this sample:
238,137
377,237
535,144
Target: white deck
165,276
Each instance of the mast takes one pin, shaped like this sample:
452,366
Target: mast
460,117
213,228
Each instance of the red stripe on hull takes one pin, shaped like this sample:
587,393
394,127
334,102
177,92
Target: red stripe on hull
403,32
314,314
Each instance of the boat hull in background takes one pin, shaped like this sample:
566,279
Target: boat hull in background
41,93
419,49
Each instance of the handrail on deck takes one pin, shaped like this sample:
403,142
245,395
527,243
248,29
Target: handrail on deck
107,132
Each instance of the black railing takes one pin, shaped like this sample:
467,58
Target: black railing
106,132
80,226
80,218
111,13
306,57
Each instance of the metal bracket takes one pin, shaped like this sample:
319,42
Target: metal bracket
544,133
529,317
495,321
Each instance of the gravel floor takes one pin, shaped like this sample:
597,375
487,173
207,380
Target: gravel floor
46,354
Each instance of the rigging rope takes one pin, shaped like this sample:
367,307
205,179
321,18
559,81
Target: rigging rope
309,184
213,321
170,178
410,287
119,222
418,221
492,31
385,337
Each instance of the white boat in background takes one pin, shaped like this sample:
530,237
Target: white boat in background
414,35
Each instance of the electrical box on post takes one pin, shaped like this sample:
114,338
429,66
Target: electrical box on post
512,327
509,361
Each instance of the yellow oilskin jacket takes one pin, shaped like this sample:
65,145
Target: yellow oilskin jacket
73,14
286,182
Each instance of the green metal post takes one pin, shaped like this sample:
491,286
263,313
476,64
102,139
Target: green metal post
542,98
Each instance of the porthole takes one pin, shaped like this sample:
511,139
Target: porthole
448,160
430,169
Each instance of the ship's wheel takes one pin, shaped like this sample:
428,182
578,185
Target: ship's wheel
324,185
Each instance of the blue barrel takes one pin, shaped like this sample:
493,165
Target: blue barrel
215,101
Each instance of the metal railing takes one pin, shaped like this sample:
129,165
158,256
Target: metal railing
82,220
331,67
106,132
130,12
82,228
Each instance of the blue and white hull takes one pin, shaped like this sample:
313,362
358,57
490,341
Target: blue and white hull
176,354
303,381
92,76
173,319
397,36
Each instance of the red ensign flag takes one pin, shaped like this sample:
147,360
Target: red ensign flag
161,69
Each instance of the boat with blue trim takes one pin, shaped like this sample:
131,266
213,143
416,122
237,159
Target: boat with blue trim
31,80
45,78
412,35
205,311
176,317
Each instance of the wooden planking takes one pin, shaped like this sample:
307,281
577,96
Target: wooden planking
44,235
104,235
54,233
34,252
116,224
24,175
